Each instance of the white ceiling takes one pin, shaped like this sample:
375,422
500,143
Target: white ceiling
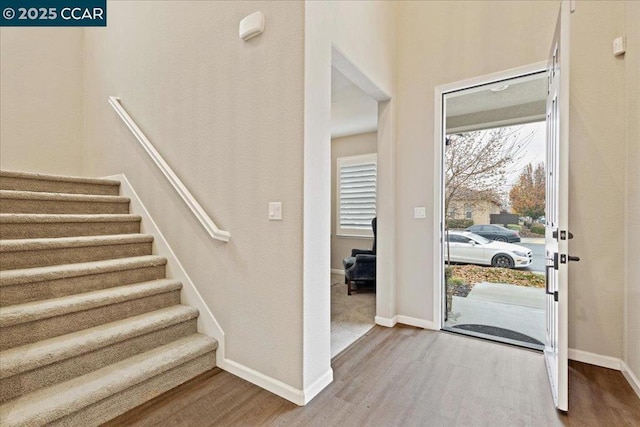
522,100
352,110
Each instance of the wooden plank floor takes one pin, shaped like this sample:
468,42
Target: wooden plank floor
405,376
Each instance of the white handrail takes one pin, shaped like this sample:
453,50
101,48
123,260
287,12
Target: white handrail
185,194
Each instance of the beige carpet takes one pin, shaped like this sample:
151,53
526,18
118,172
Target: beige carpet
351,315
90,325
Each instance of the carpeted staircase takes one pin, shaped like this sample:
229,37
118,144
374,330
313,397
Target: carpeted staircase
90,327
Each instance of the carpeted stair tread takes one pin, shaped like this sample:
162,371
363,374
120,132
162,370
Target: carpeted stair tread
61,197
63,271
22,218
72,242
52,403
31,356
24,181
38,310
59,178
38,202
31,253
39,226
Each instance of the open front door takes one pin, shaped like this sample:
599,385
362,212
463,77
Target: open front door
557,233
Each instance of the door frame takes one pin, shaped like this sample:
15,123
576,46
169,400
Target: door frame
438,179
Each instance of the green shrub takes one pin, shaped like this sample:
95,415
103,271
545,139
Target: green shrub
455,281
514,227
447,273
459,223
537,229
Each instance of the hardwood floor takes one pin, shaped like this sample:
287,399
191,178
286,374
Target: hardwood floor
405,376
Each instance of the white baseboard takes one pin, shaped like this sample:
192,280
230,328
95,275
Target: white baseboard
413,321
386,322
207,323
337,271
319,385
594,359
292,394
405,320
630,376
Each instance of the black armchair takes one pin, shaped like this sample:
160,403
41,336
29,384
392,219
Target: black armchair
360,267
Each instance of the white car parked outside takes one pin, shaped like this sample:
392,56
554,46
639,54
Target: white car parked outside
470,248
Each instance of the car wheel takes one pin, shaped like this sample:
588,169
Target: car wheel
500,239
502,261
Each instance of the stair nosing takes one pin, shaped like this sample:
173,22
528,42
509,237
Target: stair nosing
61,197
39,310
50,243
28,357
80,392
59,178
66,271
27,218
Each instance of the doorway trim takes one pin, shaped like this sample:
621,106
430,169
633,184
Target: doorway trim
385,207
438,179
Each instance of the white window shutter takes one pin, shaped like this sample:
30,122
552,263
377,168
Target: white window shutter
356,193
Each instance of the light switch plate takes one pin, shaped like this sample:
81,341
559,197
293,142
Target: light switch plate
275,211
419,212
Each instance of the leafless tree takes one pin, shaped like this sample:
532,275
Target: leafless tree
480,160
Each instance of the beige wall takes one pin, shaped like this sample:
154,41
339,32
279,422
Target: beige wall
596,179
41,100
365,34
494,36
440,43
228,118
631,354
354,145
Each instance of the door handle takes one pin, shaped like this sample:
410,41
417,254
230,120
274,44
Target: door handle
546,275
564,258
546,283
563,235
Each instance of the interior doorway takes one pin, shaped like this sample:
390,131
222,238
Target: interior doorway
354,146
493,204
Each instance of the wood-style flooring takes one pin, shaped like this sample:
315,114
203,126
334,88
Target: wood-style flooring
406,376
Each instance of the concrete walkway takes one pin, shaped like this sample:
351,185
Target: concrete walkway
517,308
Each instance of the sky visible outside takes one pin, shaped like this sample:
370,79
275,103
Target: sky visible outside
534,152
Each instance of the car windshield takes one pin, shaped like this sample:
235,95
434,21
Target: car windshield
478,238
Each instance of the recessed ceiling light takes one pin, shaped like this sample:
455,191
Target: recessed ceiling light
499,88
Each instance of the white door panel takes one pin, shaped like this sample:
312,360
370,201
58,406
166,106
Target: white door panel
557,212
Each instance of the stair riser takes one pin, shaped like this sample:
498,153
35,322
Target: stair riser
27,333
68,229
22,184
120,403
27,292
62,207
52,374
71,255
